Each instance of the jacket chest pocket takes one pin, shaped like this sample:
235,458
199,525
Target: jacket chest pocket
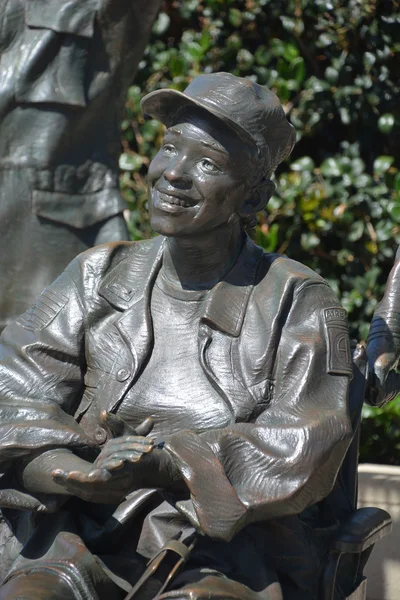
52,66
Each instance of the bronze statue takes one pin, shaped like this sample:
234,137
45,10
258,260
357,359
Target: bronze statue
65,68
181,400
384,342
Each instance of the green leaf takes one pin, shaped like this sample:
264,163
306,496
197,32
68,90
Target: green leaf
382,164
397,187
277,47
369,59
373,99
305,163
362,180
288,23
290,52
244,58
357,166
268,241
344,115
262,55
386,123
134,93
331,75
205,40
194,51
345,164
309,241
356,231
130,162
298,68
324,40
394,211
177,66
234,42
331,168
235,17
161,24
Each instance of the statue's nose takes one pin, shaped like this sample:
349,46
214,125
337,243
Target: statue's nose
177,175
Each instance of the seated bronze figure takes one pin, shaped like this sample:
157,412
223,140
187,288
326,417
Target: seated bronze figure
181,400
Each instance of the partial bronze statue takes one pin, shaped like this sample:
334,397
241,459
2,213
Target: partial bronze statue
384,342
65,66
175,411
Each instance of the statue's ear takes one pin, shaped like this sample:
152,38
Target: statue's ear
258,198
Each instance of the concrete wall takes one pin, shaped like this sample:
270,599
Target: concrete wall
379,485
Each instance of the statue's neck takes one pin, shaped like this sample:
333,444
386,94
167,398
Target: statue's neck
199,262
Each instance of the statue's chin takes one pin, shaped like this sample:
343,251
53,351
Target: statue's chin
165,226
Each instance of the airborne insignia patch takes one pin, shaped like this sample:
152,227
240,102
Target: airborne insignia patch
339,355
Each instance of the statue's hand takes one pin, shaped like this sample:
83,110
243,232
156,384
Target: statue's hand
106,481
122,450
109,479
120,469
145,466
94,485
384,382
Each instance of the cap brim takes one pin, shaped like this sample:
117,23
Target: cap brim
164,106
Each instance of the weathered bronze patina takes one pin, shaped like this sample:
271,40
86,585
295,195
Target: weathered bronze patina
65,66
184,399
384,342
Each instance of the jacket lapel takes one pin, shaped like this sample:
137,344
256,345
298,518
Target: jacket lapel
225,307
221,324
128,287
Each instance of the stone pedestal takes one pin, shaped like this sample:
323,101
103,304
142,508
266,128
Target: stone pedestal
379,485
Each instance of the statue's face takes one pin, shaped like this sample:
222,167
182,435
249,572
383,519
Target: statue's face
196,181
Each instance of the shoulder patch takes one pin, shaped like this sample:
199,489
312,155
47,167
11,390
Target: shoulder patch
45,309
338,342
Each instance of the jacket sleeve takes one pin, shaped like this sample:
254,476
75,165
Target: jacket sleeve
42,365
289,457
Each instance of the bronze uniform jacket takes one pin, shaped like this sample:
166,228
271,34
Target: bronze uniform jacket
272,339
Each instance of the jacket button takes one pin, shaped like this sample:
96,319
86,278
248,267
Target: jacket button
122,374
100,435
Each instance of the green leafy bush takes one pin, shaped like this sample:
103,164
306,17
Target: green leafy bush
381,434
335,65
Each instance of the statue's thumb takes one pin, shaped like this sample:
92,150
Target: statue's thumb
117,427
145,427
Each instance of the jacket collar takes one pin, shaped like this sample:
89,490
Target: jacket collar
225,306
130,283
131,279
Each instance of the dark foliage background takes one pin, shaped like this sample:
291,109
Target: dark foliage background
335,65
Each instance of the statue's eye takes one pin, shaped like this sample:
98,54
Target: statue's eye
208,166
169,149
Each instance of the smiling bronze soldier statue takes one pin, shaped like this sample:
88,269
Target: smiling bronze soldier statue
65,66
181,400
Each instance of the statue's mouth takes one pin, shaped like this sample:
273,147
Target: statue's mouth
175,199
